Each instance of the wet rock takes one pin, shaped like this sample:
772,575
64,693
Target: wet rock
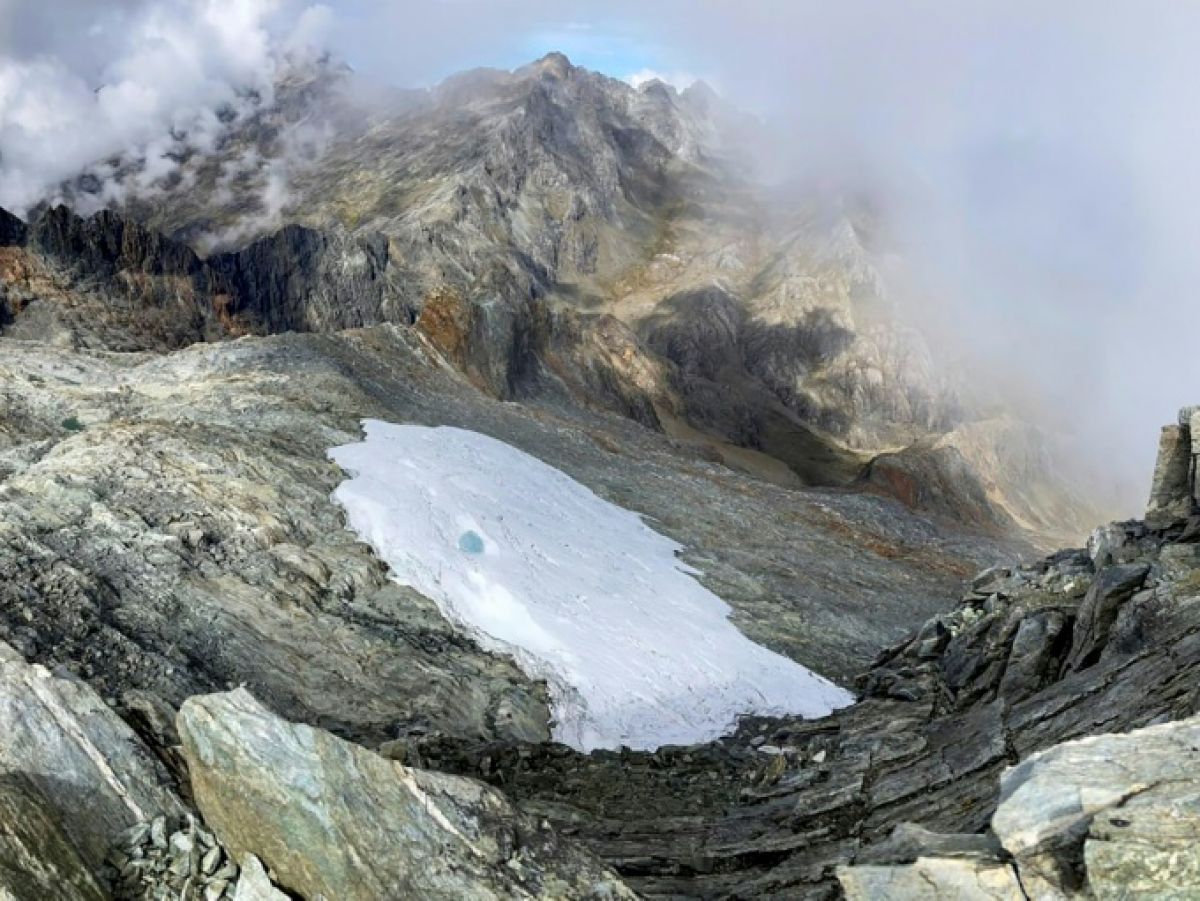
332,819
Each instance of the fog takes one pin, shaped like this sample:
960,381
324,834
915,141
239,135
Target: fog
1037,165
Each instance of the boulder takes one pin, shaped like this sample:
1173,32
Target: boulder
939,879
334,820
1114,586
1123,811
85,769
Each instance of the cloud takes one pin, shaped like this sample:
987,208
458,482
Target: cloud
144,81
677,80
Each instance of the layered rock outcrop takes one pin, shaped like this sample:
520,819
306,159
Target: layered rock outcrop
1176,485
177,537
1084,642
1111,816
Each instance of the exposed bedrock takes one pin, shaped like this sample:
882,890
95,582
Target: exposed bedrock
334,820
177,537
1081,643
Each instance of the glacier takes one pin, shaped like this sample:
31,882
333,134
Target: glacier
581,592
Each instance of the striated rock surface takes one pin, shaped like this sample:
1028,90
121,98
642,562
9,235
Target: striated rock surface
334,820
63,750
933,878
775,809
1107,817
1112,815
38,859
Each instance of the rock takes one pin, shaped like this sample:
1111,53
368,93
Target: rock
37,859
12,230
163,859
254,884
1171,489
1104,542
1128,803
1114,586
1149,846
92,773
932,878
1034,658
1190,416
909,841
335,820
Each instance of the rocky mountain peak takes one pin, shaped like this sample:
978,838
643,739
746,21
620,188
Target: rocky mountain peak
553,65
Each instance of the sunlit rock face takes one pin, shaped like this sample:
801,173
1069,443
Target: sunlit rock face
580,591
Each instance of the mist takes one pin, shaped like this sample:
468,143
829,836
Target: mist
1037,166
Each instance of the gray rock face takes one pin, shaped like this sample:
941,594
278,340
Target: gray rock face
300,279
1171,489
334,820
12,230
1121,811
83,767
1114,585
37,858
933,878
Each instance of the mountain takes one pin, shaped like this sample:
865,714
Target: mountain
558,231
386,489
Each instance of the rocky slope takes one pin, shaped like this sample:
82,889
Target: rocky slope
563,263
1084,642
759,321
948,779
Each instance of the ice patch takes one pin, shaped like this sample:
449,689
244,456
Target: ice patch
579,591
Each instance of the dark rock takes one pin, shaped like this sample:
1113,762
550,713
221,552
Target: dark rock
1114,586
12,230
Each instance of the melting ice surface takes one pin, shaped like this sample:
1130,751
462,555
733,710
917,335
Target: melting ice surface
579,591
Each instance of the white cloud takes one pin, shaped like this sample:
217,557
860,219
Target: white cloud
678,80
167,67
